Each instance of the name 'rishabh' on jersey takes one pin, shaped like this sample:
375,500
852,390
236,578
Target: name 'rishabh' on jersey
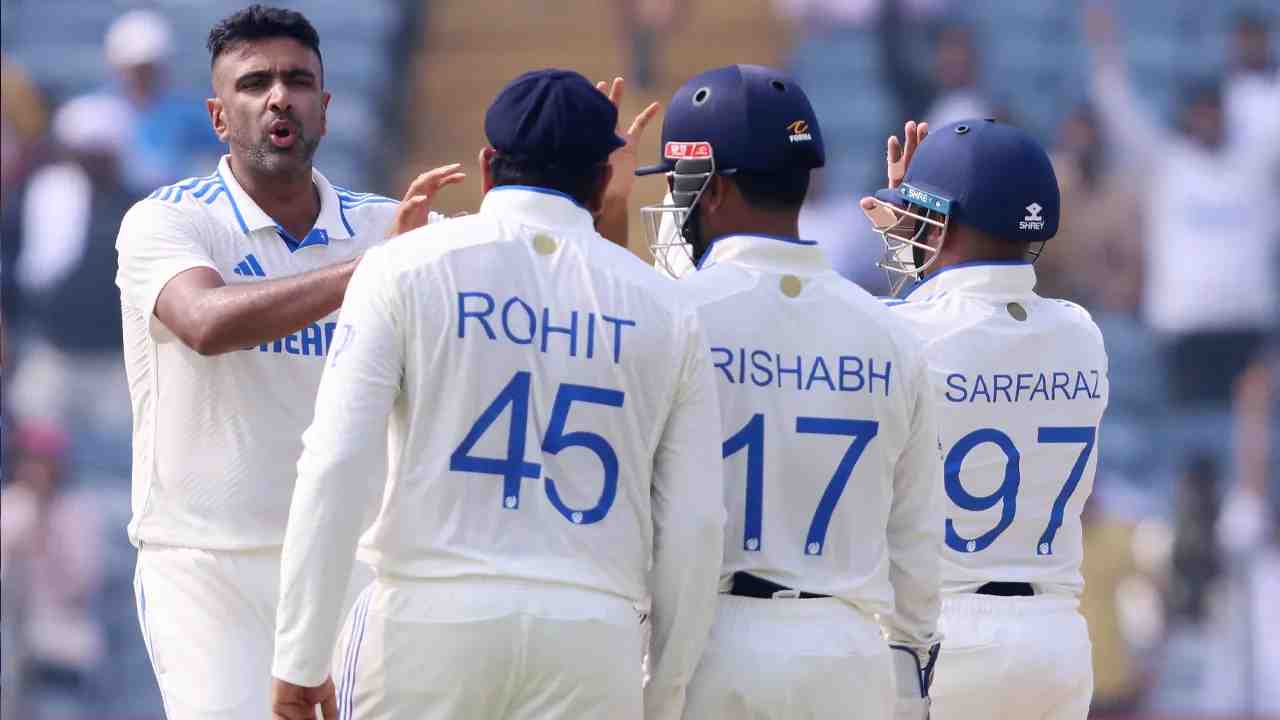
829,444
1020,383
216,439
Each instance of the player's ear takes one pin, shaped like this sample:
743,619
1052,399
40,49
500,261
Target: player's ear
714,196
486,169
324,112
217,118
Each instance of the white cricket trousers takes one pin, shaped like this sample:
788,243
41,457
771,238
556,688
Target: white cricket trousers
497,649
1012,658
208,618
792,659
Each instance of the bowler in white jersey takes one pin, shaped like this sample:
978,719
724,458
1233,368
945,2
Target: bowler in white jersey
831,451
554,470
229,288
1020,385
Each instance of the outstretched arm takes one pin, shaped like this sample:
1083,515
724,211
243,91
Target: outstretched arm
688,532
915,540
347,437
1127,124
160,246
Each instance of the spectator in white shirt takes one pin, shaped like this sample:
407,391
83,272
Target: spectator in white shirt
1210,241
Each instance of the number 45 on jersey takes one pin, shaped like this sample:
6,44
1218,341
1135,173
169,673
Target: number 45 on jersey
513,468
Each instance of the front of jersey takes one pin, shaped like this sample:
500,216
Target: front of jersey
543,394
829,443
1020,383
216,438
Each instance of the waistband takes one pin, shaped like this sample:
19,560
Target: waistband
744,584
1007,589
464,599
975,604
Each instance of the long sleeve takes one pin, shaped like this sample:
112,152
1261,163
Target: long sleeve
346,439
688,537
915,528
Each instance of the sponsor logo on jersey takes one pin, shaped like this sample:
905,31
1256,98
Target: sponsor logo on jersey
1032,221
799,131
700,150
314,340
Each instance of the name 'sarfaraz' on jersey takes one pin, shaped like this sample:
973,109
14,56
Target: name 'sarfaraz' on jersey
1020,382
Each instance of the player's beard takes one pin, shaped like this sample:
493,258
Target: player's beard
269,160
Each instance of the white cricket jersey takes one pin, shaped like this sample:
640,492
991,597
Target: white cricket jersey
547,399
216,439
1020,384
831,452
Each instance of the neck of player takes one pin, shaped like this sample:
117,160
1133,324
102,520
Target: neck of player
750,221
964,244
291,200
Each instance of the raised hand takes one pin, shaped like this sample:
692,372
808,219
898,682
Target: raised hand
625,159
415,208
898,158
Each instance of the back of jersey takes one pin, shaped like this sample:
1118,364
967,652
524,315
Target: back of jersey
541,366
1020,383
818,390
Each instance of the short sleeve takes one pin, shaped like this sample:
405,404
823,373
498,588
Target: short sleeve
156,242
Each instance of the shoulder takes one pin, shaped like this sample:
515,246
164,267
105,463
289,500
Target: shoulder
437,241
193,200
365,214
190,192
933,319
184,207
703,288
626,267
1075,316
350,199
883,314
1073,311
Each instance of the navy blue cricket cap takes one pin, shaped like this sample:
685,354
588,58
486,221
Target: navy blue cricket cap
755,119
553,118
987,175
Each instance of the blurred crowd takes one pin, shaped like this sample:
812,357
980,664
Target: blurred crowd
1165,130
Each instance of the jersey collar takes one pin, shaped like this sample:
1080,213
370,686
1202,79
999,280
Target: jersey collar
249,217
979,277
536,206
776,253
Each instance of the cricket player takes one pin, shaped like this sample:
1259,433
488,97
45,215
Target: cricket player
229,285
551,414
831,452
1020,385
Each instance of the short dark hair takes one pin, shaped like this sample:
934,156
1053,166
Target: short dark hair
577,183
257,23
774,191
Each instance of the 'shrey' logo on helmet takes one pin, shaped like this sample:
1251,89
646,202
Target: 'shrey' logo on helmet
1032,221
